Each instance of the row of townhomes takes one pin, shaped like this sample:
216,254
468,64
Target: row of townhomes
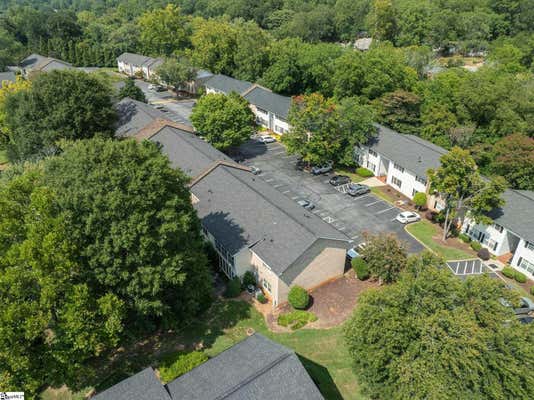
402,161
252,226
36,63
256,368
271,109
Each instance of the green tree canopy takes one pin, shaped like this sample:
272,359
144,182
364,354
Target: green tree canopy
164,31
460,184
385,256
52,318
513,158
322,130
224,120
132,91
149,253
58,104
432,335
176,72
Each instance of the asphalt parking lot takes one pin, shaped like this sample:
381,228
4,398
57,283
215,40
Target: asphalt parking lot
176,110
351,215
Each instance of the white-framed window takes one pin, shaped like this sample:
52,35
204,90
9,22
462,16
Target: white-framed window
526,265
529,245
498,228
371,166
396,181
398,167
414,192
279,129
373,153
421,179
266,285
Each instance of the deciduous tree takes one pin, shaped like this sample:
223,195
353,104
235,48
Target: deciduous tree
225,120
513,158
385,256
132,91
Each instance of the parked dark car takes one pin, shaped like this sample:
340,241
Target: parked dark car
357,189
525,319
322,169
339,180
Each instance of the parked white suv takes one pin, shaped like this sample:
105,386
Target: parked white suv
267,139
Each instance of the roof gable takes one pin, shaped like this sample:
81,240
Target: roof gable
227,84
517,213
267,100
142,386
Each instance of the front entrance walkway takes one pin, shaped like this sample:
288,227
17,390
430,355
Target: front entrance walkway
373,182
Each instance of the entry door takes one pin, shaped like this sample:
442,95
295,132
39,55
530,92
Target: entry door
271,121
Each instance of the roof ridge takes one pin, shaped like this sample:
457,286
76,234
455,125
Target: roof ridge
156,126
410,137
255,375
521,193
255,86
214,165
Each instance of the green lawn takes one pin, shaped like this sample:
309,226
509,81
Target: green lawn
3,157
322,351
424,231
351,174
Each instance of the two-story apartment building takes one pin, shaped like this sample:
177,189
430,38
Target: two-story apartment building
511,236
252,226
270,109
36,63
402,161
133,64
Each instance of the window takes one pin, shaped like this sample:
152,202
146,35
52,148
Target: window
529,245
267,286
398,167
261,110
397,182
371,166
498,228
420,179
279,129
526,265
373,153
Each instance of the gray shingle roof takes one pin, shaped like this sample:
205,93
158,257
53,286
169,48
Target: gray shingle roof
267,100
134,115
7,76
141,386
254,369
413,153
241,210
227,84
134,59
52,64
517,213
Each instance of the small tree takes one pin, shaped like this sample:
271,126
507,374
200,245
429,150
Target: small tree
420,199
132,91
385,256
176,72
360,268
298,297
458,181
225,120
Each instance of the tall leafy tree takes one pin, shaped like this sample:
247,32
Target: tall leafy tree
460,184
59,104
400,111
176,72
163,31
10,49
52,321
322,130
385,256
224,120
432,335
150,253
513,158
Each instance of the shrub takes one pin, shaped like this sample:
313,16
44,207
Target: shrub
261,298
484,254
464,238
439,218
298,297
476,245
249,279
420,199
520,277
532,290
233,288
360,268
296,319
509,272
179,364
364,172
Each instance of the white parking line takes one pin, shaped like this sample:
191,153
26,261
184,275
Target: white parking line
277,186
386,210
317,211
374,202
269,180
361,197
323,213
286,191
294,197
329,219
355,236
340,228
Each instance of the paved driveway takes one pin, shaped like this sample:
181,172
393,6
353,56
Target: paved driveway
351,215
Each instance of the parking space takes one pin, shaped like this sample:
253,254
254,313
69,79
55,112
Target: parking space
351,215
465,268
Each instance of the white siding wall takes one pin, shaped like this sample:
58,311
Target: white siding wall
408,183
524,259
496,242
